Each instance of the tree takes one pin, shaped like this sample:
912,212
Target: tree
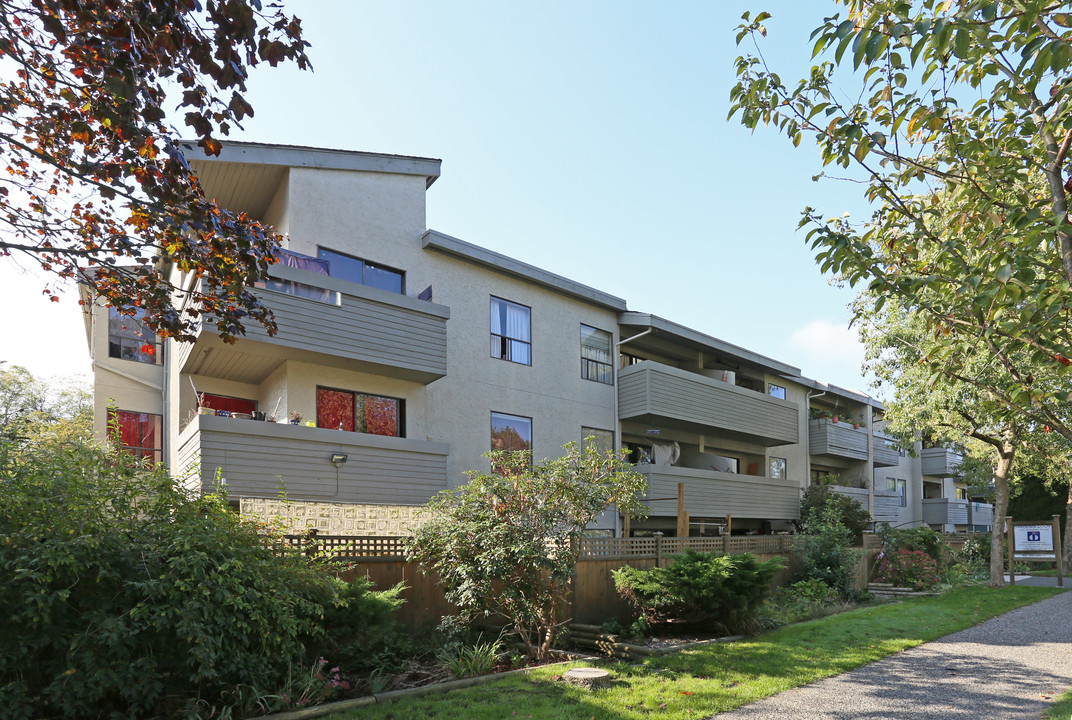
960,135
505,544
32,410
95,173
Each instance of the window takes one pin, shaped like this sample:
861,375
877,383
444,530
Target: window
138,433
723,463
356,270
776,391
227,404
602,440
777,468
895,485
510,332
625,360
596,355
962,493
130,339
360,412
510,432
637,454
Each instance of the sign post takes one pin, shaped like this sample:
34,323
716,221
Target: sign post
1035,542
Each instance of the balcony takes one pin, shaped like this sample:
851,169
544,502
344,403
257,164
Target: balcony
259,459
946,511
654,393
714,494
940,462
883,453
330,322
836,439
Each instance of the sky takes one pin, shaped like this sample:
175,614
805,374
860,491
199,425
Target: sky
589,139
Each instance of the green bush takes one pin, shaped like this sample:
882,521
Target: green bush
800,601
908,568
921,539
822,498
976,550
824,551
127,597
358,623
705,588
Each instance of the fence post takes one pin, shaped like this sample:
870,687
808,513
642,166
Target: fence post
726,537
658,549
1058,550
1010,537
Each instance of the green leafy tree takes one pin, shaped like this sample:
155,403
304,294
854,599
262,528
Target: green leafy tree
505,544
959,135
96,186
35,411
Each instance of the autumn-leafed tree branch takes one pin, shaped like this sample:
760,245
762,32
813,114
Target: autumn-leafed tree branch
93,179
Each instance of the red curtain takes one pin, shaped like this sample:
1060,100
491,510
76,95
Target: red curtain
335,408
230,404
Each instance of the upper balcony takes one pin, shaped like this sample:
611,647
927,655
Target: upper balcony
837,439
940,462
708,493
883,453
946,511
261,459
659,394
328,321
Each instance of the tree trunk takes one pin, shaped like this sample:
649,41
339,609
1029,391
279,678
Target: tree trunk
1006,450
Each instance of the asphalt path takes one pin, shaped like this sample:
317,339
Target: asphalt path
1007,668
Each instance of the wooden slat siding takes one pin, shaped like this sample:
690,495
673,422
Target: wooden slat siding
939,462
860,495
887,507
189,453
182,353
883,455
258,457
982,514
945,510
713,494
837,439
656,391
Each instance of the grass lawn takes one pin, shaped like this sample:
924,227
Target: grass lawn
716,678
1061,708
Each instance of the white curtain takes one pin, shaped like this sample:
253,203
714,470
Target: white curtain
665,453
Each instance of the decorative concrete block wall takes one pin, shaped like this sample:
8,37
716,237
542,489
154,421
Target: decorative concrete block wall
336,518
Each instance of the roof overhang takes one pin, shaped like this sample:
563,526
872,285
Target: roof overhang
672,333
515,268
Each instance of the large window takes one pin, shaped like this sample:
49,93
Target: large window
777,468
601,440
363,272
130,339
137,433
896,485
596,355
360,412
510,331
510,432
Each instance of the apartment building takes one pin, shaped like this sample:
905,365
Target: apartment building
403,354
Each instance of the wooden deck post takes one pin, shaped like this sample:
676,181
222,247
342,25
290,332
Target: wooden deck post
625,525
681,532
658,549
726,537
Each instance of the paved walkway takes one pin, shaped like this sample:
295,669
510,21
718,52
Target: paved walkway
1002,669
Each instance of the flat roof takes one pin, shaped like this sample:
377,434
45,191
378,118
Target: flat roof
509,266
325,158
694,338
856,395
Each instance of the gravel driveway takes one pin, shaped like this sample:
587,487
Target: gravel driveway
1001,669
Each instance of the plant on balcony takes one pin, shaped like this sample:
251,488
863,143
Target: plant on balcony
505,543
817,413
296,417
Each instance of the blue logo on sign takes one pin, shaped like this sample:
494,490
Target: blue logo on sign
1034,536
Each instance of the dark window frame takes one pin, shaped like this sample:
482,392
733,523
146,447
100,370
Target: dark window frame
364,264
588,363
503,343
491,427
353,394
117,343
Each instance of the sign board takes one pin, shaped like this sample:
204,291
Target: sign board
1033,538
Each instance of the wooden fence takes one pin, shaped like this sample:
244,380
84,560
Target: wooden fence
383,561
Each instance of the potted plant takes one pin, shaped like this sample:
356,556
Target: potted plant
296,417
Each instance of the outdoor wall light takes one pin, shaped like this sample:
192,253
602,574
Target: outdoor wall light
338,458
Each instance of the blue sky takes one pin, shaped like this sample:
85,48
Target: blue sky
589,139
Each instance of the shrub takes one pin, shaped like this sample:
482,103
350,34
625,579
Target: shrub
706,588
976,550
126,597
505,544
824,551
464,661
921,539
908,568
822,498
800,601
357,624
